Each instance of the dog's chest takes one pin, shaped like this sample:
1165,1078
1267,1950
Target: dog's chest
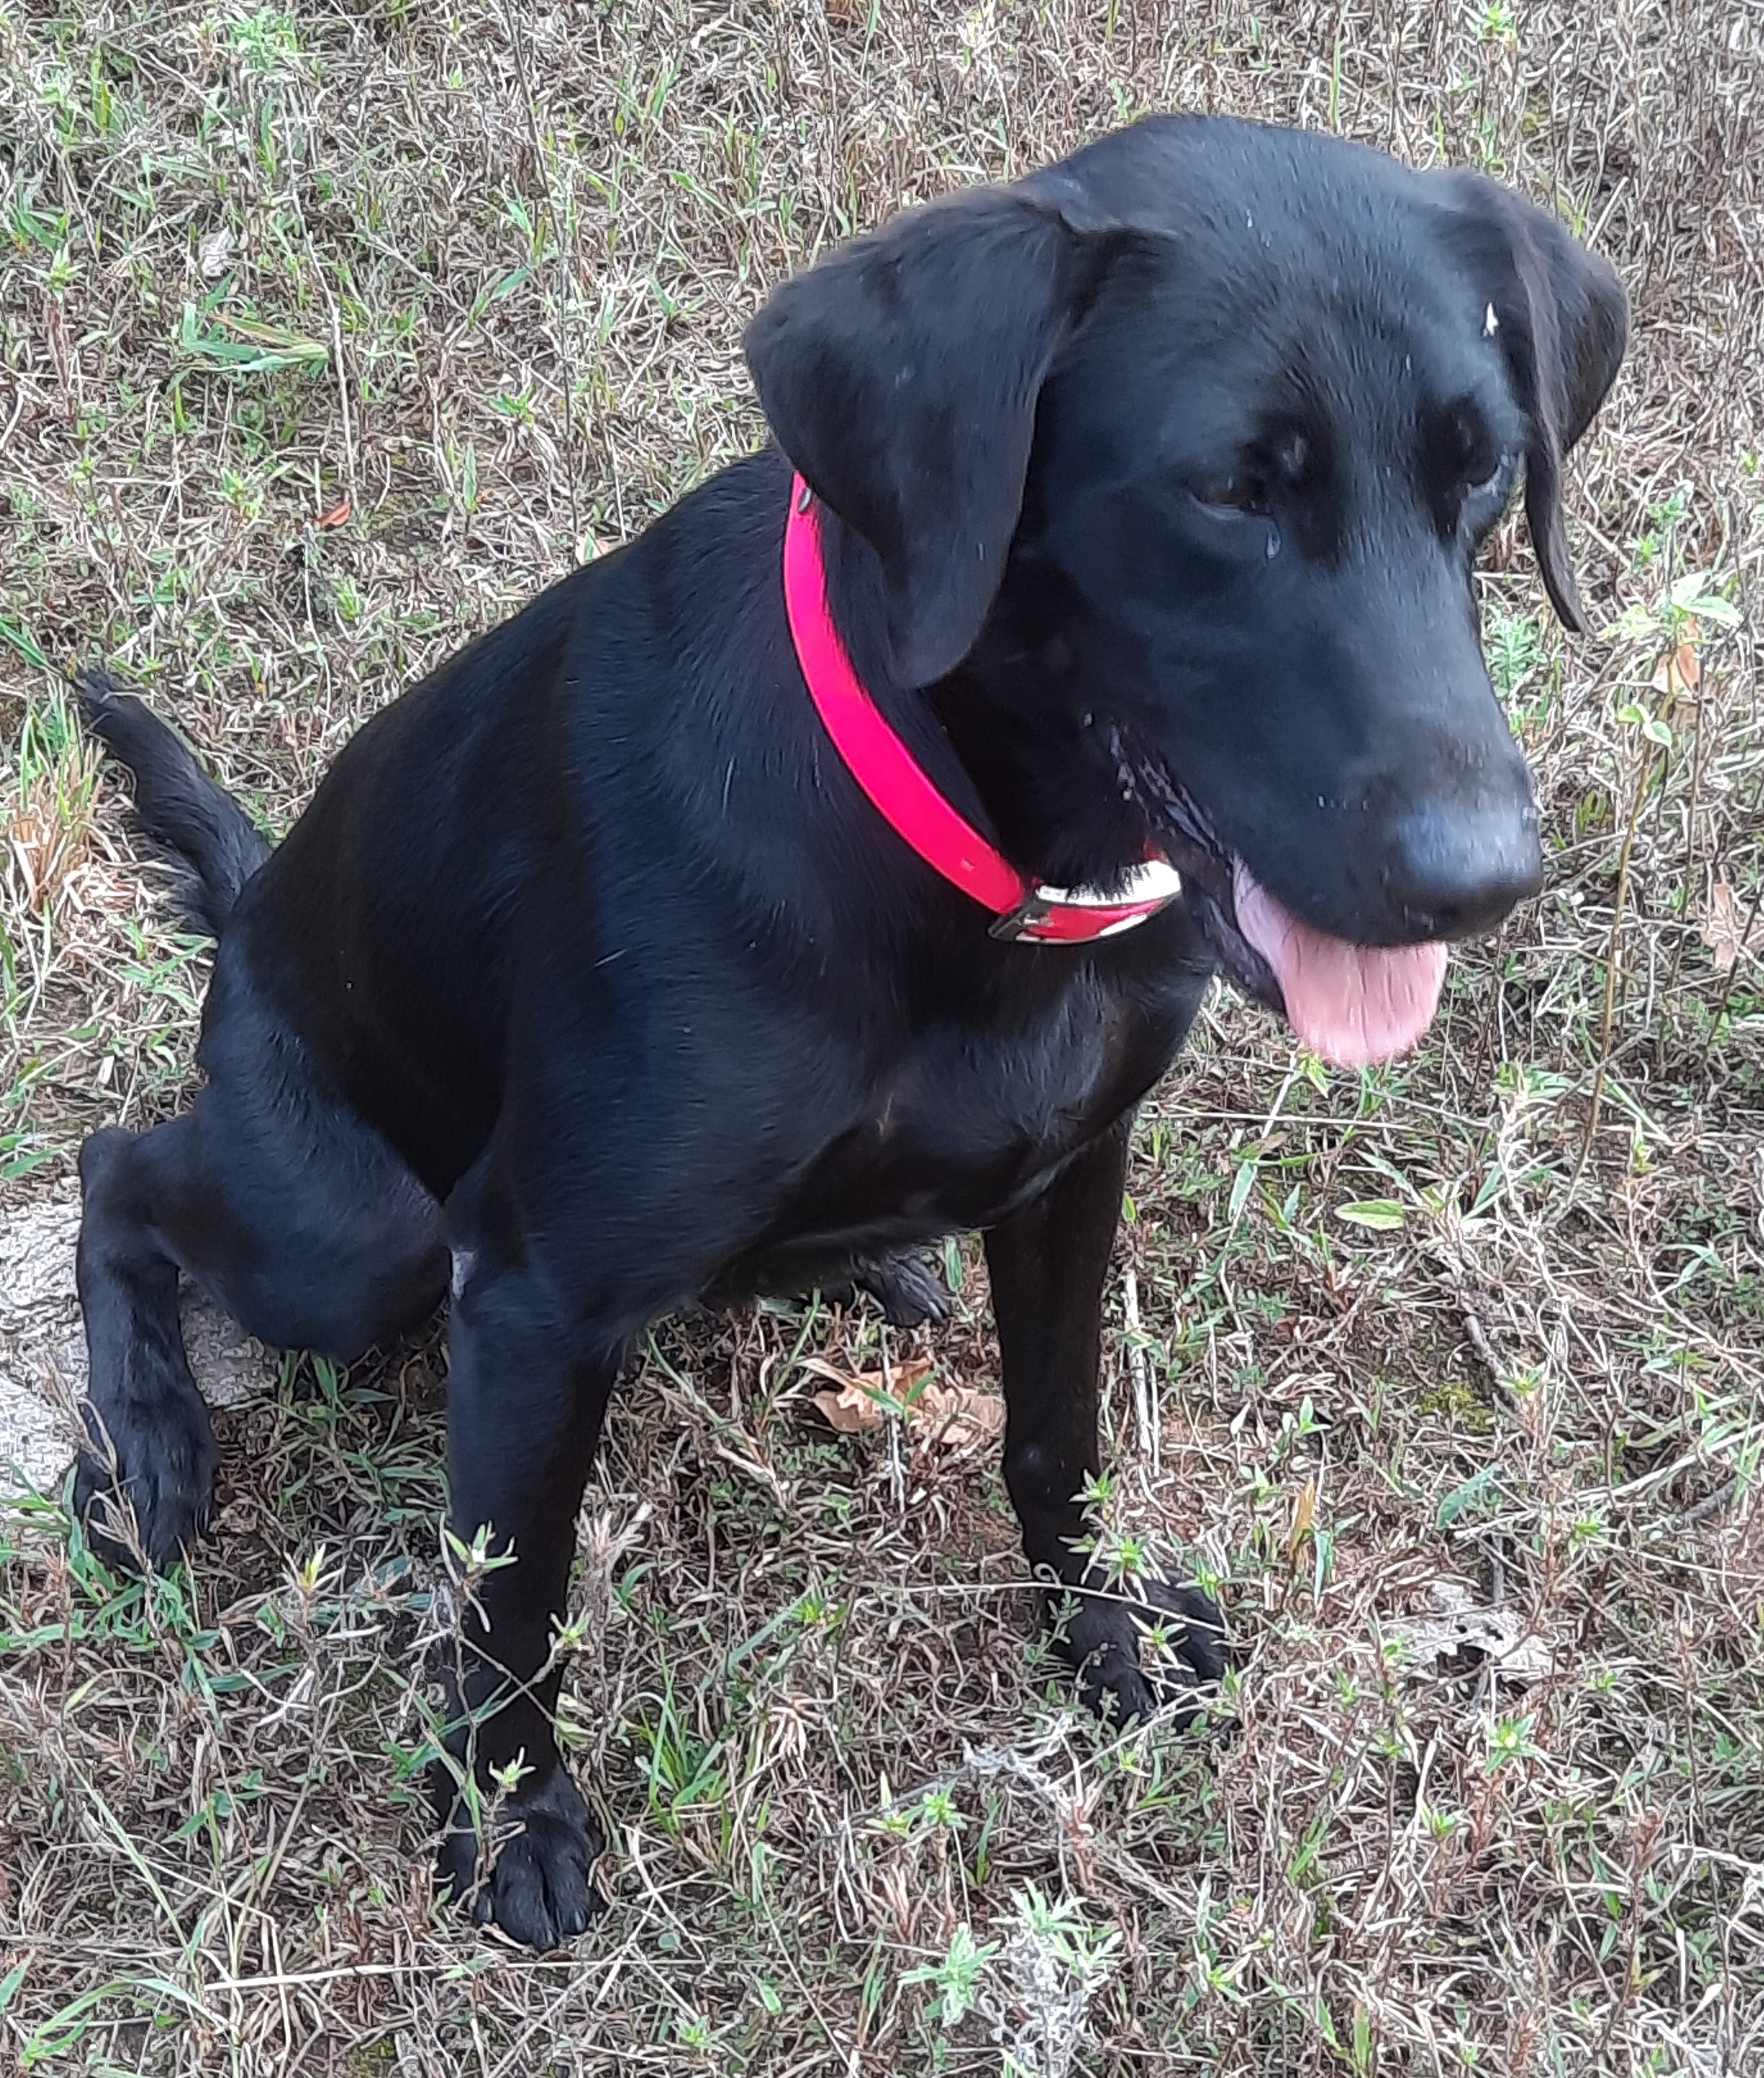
969,1120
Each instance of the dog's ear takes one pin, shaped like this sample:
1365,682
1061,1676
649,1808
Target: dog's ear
901,376
1564,322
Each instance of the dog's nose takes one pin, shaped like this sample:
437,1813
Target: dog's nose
1456,868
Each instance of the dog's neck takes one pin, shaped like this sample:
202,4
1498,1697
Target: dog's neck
1013,736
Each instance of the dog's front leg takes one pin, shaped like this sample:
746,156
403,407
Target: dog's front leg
1047,1262
526,1398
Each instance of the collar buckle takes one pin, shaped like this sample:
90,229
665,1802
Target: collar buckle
1077,916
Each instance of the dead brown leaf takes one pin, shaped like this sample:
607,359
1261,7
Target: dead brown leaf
951,1417
850,1410
1304,1517
1677,673
958,1415
861,1399
1723,930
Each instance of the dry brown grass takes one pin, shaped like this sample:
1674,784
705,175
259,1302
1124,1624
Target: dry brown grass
482,276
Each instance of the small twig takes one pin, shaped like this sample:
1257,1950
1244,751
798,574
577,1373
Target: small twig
1612,969
893,1430
1711,1504
1690,867
1497,1600
1478,1338
18,413
1144,1412
350,481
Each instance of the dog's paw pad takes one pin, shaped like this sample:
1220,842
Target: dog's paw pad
540,1891
161,1503
1151,1647
907,1289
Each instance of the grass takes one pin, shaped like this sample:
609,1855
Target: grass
329,333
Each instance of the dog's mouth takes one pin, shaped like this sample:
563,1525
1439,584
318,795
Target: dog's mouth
1353,1005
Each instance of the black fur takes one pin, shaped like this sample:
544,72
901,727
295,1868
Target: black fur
178,805
591,973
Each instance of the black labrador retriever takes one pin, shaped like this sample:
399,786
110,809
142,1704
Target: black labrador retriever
839,864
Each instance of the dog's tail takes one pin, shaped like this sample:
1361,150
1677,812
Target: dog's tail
179,806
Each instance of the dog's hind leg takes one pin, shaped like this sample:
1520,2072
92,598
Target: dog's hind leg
148,1428
292,1214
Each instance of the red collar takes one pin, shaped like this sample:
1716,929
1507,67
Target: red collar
904,795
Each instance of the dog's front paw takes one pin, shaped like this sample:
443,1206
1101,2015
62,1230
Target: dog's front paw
906,1287
539,1888
1143,1647
144,1487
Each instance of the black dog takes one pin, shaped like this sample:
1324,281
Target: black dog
1137,508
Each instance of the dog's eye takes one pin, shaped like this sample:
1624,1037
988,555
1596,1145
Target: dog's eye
1471,453
1241,492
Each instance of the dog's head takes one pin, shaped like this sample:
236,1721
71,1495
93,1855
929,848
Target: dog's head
1184,449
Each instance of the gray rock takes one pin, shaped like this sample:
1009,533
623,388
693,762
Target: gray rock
42,1347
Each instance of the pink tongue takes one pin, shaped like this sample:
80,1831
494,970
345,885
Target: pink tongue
1352,1004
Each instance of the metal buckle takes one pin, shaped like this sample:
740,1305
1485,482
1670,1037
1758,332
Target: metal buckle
1033,909
1156,884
